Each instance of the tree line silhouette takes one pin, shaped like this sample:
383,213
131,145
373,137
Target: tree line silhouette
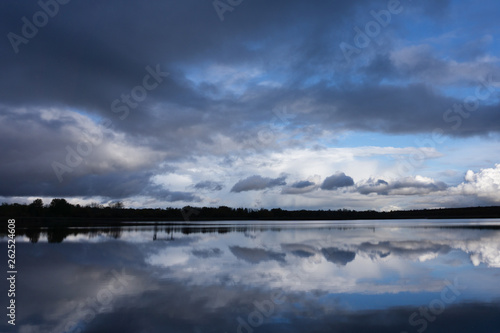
61,211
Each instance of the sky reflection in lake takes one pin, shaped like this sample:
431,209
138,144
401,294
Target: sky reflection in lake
262,278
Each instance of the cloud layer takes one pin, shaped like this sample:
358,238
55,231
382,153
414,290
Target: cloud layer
107,106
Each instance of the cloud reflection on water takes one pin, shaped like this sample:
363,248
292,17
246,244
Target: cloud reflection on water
332,279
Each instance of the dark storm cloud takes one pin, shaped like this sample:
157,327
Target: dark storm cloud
302,184
337,181
90,53
299,187
254,183
415,108
28,169
115,185
209,185
88,66
407,186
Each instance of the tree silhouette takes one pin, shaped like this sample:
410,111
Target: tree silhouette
37,203
60,207
117,205
36,207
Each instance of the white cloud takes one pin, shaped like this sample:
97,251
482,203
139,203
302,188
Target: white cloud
173,182
484,184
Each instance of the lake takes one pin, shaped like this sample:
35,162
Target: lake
349,276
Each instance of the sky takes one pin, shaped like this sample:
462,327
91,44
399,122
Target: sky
249,103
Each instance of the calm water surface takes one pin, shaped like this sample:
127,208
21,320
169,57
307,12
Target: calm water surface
396,276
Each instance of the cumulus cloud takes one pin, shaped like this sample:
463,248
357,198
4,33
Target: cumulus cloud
254,183
209,185
406,186
302,184
300,187
379,186
337,181
484,184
